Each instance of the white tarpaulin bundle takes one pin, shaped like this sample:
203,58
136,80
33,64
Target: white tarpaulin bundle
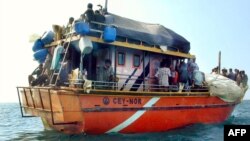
224,88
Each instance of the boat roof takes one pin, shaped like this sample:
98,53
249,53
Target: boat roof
152,34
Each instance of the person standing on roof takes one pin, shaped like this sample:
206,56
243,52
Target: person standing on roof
88,15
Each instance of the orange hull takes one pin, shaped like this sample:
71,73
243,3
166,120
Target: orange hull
97,113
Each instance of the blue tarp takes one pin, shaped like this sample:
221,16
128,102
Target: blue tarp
152,34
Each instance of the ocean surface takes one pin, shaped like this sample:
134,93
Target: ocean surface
14,127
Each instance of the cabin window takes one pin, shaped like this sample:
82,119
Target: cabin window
136,60
121,58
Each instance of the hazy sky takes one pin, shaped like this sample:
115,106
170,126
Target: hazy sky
210,25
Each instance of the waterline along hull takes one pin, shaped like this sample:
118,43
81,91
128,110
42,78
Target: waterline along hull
74,111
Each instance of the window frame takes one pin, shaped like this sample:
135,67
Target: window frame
134,56
124,63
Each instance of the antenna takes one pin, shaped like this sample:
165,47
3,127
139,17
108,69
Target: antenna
106,5
219,63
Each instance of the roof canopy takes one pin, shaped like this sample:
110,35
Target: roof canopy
152,34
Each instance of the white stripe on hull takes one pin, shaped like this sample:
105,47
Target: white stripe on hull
134,117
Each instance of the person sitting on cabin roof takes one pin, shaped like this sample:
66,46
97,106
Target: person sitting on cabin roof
69,25
88,15
99,18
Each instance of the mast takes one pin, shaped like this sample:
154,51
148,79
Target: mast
219,63
106,5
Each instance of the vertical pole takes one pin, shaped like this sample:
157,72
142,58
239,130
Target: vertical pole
81,66
106,5
143,66
51,108
219,65
20,104
41,100
115,66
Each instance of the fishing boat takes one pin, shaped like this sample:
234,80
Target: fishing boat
133,101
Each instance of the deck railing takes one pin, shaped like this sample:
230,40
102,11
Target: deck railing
119,86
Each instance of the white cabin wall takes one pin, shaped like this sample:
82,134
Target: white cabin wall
127,73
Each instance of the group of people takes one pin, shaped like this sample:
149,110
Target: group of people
240,77
90,15
182,76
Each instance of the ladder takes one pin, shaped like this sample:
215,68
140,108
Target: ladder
55,74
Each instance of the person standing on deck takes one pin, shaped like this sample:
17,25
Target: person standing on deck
198,79
244,78
237,77
192,66
244,81
183,76
106,73
224,72
163,75
231,75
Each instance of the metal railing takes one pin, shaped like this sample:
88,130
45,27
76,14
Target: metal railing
136,86
51,110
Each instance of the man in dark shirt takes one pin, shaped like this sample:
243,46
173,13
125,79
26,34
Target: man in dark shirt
99,18
88,15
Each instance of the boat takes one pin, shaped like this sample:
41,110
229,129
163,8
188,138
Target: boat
133,101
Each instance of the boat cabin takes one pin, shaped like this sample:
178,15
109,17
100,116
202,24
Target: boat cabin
135,50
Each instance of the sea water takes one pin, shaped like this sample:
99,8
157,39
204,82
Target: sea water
14,127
